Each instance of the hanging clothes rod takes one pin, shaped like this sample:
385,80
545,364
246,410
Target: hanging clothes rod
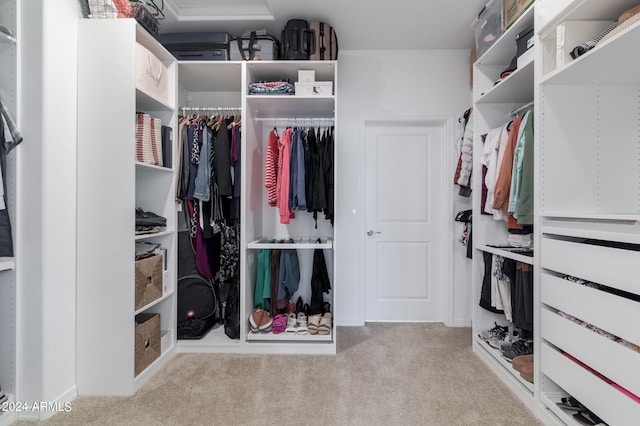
522,108
209,109
298,120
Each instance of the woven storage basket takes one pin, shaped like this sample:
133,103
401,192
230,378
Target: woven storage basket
148,280
147,345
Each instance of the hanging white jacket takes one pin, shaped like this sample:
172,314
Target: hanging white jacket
466,154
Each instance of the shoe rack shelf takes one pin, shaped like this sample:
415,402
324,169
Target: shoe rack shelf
505,364
284,337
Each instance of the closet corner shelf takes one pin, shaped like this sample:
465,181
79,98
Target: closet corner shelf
7,263
148,166
154,303
502,50
516,88
146,102
495,354
301,243
266,106
599,64
157,234
283,337
507,254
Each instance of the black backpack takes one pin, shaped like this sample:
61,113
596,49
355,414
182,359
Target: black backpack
198,309
297,40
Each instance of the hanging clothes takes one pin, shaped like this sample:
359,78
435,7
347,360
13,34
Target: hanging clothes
316,194
222,161
465,157
6,236
284,170
327,165
297,194
271,168
320,282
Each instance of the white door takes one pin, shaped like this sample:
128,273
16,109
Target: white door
404,204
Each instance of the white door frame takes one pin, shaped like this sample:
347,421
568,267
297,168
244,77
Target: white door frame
448,157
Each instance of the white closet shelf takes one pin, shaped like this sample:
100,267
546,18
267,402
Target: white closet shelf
495,354
586,10
506,253
147,166
7,263
157,234
284,337
274,106
154,303
288,70
300,243
601,65
504,48
214,341
516,88
195,76
599,230
146,102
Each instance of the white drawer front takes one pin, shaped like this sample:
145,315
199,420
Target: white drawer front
612,267
609,312
607,402
613,360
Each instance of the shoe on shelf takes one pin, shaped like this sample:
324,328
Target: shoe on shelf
314,323
279,324
260,320
587,418
302,324
496,331
494,336
292,323
325,324
517,348
570,403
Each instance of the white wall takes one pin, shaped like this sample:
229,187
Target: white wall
47,201
391,84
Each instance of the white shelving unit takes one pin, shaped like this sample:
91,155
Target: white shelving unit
263,113
594,235
224,84
111,185
8,310
493,103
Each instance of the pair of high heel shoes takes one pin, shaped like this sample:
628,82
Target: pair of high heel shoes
321,323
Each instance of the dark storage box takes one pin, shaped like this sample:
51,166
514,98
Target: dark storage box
147,343
524,41
202,46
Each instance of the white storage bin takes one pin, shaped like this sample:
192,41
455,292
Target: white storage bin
317,88
487,27
151,75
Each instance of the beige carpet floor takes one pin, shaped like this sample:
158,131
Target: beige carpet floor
383,374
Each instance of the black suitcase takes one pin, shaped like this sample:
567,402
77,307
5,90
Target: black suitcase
203,46
297,40
255,47
326,42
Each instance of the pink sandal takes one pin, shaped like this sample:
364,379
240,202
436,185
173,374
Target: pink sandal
279,324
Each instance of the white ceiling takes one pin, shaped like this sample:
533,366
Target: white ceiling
359,24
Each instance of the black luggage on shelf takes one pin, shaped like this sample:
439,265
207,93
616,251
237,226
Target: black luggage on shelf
202,46
255,46
297,40
326,42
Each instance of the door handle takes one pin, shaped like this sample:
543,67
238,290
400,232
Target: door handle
370,232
